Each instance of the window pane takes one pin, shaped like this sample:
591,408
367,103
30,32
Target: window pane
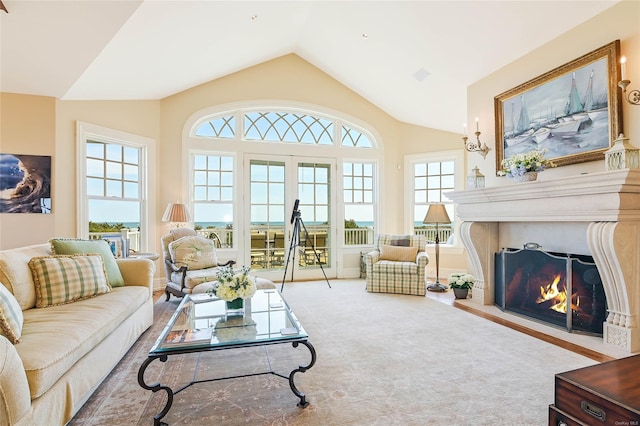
259,193
114,188
95,168
114,152
131,172
200,178
200,193
95,187
130,190
114,170
131,155
95,149
448,167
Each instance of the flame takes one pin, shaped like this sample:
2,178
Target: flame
551,292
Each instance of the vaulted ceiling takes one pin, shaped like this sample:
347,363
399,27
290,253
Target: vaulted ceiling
413,59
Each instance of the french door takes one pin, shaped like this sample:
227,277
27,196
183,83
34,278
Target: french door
279,238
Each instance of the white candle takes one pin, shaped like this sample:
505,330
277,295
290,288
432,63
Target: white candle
623,62
477,126
464,129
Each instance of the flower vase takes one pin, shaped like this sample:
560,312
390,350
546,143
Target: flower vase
527,177
235,307
461,293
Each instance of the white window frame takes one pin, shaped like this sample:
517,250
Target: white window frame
87,131
455,155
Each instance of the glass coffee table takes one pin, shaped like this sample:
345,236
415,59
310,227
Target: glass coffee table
202,323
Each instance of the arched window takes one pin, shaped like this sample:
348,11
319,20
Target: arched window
248,138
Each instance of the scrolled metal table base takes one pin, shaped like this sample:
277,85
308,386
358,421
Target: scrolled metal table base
155,387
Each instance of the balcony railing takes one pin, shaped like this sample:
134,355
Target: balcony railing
358,236
444,232
127,237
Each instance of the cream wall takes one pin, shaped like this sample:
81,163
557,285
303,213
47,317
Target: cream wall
287,78
28,126
45,126
621,21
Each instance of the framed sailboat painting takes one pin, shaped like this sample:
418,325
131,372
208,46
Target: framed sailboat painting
573,111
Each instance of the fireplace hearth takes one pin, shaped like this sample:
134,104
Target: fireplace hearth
562,290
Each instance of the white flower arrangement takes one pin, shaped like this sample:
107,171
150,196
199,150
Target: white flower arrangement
460,280
519,164
233,285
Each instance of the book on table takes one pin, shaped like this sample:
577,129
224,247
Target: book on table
180,337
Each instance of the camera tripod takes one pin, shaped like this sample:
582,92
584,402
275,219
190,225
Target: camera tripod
298,225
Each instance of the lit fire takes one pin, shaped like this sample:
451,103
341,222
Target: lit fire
559,298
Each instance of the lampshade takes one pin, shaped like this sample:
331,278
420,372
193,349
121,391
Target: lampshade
176,212
437,213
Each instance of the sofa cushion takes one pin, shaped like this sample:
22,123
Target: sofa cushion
15,273
11,317
75,246
55,338
398,253
68,278
194,252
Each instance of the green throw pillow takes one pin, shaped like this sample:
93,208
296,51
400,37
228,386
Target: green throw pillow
66,278
75,246
11,318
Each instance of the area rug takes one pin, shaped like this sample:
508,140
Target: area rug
383,359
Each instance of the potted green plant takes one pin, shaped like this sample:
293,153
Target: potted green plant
461,283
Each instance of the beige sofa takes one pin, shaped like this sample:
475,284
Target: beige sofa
65,351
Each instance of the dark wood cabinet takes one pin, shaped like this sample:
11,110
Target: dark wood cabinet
603,394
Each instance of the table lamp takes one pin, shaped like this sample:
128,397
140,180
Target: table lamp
176,213
437,214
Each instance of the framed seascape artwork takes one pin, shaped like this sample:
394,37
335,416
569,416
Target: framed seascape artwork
25,183
573,111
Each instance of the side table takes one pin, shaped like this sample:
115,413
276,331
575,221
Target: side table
150,256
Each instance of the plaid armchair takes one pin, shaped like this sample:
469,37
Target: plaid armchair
397,264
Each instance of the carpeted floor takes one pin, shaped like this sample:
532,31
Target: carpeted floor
383,359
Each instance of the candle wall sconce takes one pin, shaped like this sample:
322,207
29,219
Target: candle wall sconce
633,97
476,146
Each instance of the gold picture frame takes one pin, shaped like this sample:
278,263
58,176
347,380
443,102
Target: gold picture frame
573,111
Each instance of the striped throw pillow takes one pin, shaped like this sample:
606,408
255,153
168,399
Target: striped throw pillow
11,318
64,279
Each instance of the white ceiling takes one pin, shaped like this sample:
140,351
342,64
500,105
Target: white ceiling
99,50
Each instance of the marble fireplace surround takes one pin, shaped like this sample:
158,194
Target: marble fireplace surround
596,214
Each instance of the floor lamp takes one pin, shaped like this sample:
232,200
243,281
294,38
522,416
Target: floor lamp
437,214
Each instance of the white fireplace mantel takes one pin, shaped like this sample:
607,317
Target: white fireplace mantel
608,203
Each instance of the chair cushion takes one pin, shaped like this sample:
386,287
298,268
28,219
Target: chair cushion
66,278
75,246
194,252
11,318
398,253
400,240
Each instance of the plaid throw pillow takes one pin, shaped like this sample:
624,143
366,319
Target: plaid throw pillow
65,279
74,246
11,318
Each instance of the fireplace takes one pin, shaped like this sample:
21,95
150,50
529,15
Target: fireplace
595,214
562,290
